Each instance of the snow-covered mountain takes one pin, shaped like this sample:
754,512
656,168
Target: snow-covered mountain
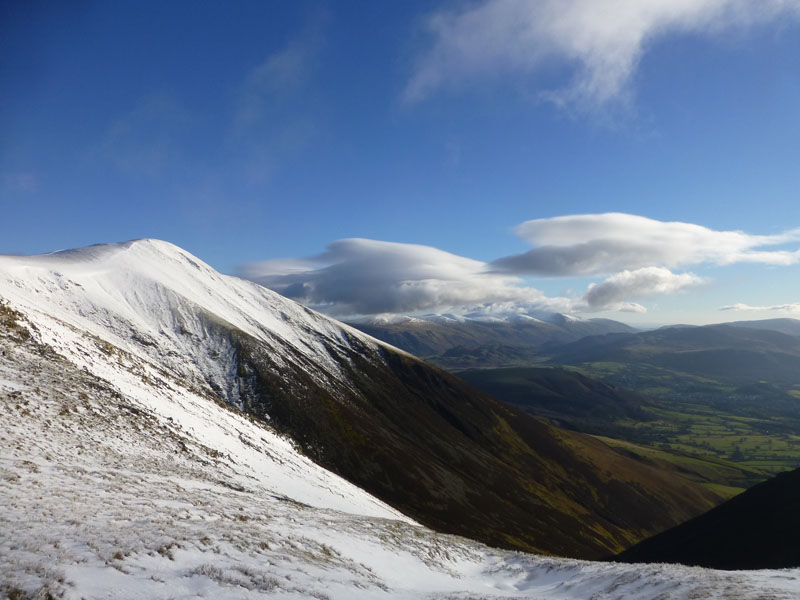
128,471
161,305
485,317
434,335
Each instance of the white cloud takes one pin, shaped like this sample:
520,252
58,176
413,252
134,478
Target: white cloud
592,245
601,40
360,276
614,293
634,254
273,118
793,307
278,78
367,277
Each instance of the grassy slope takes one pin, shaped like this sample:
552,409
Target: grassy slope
754,425
720,391
723,477
461,462
699,444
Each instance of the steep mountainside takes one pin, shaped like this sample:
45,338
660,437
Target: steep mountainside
755,530
434,335
423,441
133,485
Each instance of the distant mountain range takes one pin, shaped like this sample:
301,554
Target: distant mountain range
754,530
735,353
787,326
434,335
741,352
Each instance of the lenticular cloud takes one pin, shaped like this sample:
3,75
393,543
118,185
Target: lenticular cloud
635,255
601,244
360,276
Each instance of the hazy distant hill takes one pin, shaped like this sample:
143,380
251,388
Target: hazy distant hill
735,354
725,391
787,326
567,397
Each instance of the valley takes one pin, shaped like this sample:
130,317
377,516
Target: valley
722,395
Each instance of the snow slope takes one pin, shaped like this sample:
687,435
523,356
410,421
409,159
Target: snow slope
145,297
122,474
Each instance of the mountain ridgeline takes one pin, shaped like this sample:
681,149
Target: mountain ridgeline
436,335
417,437
735,353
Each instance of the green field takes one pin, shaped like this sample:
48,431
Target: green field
698,425
756,426
723,477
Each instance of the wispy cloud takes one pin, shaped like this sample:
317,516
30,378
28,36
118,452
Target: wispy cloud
148,139
600,41
26,182
600,244
793,308
279,78
272,119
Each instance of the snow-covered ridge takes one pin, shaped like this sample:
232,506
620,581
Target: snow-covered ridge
155,300
112,311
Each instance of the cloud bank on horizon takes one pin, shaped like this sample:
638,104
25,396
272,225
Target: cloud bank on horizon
602,41
634,255
790,308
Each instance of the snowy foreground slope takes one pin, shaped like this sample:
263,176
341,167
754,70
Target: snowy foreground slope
122,477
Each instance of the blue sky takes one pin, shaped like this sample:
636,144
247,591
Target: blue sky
251,131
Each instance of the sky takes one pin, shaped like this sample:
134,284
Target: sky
629,159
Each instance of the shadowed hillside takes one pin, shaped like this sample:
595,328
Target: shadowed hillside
755,530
